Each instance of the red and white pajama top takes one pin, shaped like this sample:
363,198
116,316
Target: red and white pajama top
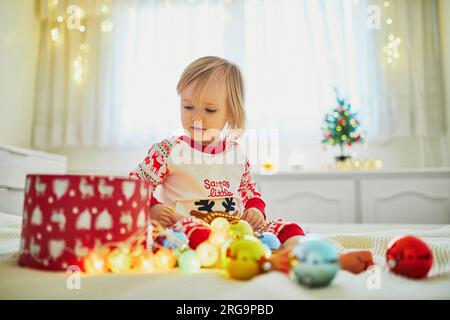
202,178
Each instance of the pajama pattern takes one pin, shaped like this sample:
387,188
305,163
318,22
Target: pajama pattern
204,179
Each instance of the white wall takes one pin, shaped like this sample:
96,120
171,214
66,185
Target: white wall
18,60
444,10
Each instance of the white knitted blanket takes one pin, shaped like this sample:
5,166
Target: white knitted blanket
438,240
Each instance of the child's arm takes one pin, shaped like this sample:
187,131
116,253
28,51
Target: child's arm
154,168
254,206
165,216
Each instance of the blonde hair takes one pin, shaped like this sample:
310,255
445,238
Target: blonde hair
207,69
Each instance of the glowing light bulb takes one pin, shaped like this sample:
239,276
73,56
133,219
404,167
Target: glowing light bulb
188,262
78,70
119,260
220,224
54,33
107,26
94,263
217,237
165,259
207,254
144,262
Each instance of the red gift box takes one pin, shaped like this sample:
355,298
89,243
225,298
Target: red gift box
66,216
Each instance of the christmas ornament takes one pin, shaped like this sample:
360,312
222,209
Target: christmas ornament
281,261
409,256
315,262
267,251
207,254
243,258
95,263
171,239
270,240
165,259
240,228
119,260
144,262
220,224
188,262
356,261
217,237
197,232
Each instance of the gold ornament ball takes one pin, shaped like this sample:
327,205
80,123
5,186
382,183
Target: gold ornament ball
243,258
240,228
220,224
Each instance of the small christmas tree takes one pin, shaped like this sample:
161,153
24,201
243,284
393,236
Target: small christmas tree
341,126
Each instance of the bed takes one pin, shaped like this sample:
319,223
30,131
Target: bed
23,283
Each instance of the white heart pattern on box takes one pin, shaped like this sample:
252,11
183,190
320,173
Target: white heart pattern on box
35,249
104,221
80,250
128,189
36,217
141,219
127,219
60,187
59,218
84,221
40,186
56,248
105,190
86,190
144,191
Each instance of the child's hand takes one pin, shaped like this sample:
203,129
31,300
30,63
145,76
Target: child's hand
166,216
254,217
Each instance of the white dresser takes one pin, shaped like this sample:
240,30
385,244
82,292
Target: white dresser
15,164
413,196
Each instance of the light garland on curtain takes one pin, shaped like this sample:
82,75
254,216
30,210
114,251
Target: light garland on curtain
392,48
70,16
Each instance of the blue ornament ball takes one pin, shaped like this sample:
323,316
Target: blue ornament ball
171,239
315,263
270,240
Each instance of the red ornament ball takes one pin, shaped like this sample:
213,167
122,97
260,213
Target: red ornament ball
409,256
197,235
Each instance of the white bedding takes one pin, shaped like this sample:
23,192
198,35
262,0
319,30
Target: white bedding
22,283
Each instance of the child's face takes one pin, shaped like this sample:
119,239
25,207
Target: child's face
204,122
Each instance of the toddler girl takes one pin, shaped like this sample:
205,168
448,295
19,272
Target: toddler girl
205,170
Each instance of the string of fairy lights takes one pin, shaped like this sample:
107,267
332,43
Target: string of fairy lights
392,48
73,19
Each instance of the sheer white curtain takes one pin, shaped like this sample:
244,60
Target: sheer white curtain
292,53
296,51
156,40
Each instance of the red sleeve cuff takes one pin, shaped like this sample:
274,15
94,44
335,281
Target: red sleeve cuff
290,231
257,203
153,201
